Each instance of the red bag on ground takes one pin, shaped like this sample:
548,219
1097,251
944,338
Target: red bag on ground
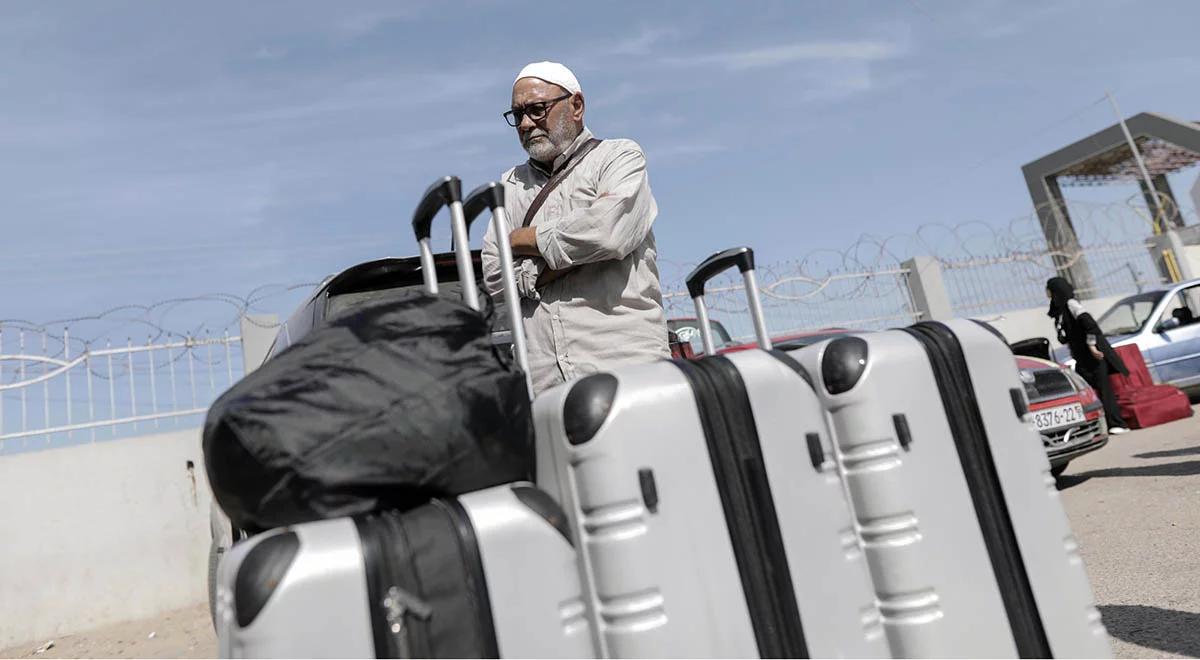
1142,402
1139,374
1157,404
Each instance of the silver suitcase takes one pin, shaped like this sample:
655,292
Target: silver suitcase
710,518
489,574
969,546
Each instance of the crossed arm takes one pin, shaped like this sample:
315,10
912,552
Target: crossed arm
610,228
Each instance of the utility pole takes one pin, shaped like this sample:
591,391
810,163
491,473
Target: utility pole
1161,218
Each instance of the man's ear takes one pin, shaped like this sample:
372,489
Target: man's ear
577,107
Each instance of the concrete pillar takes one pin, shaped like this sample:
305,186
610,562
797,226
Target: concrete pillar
1170,247
1171,207
928,289
1060,233
258,333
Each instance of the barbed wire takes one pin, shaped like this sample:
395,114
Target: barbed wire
868,269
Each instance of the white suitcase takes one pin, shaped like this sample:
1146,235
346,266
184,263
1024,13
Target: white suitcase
488,574
491,574
710,518
969,546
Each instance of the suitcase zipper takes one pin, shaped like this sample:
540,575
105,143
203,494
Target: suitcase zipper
469,551
392,607
732,437
970,438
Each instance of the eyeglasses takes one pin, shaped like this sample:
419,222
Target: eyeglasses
535,111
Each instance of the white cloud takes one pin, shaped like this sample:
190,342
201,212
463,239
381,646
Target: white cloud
756,58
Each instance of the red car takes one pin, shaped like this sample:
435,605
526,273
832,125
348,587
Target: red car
1065,409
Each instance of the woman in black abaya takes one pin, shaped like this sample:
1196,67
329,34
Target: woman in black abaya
1094,357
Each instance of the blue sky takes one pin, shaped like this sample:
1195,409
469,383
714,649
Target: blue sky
162,150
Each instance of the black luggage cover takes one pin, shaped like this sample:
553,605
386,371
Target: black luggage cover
384,406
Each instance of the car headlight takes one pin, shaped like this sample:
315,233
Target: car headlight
1028,380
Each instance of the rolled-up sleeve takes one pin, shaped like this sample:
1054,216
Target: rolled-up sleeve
491,263
613,225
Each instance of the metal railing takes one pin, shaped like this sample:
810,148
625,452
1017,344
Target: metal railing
54,392
985,285
796,302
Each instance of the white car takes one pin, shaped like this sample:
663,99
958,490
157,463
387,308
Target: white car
1165,326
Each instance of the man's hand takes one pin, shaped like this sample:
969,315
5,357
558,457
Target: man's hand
524,242
549,276
1096,353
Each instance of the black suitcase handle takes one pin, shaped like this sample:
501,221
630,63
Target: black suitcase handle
446,192
743,258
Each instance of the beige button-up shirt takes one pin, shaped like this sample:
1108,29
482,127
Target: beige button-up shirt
608,311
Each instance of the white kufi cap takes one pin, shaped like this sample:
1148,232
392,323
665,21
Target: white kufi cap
551,72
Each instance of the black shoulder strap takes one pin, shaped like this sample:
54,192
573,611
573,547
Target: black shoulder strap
557,178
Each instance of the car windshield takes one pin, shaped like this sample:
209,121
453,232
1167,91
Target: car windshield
689,330
1129,316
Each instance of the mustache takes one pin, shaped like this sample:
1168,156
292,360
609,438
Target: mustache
537,132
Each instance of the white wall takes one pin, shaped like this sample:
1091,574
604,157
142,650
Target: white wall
101,533
1028,323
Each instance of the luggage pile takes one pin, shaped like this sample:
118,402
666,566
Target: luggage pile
875,495
1144,403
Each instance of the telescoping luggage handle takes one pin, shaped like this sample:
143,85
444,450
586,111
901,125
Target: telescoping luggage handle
491,196
743,258
446,191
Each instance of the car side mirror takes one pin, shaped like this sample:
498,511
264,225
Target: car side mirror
1169,323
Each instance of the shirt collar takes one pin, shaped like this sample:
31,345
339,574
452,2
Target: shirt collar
565,156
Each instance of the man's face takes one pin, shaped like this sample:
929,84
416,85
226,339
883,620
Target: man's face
546,137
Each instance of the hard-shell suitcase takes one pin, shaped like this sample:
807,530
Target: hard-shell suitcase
486,575
707,507
969,546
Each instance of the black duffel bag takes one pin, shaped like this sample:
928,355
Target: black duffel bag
384,406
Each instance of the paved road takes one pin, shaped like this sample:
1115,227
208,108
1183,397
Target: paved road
1133,506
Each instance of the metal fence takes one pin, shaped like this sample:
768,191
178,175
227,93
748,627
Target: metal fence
986,285
55,391
795,302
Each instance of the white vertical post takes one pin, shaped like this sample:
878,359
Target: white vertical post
45,387
174,392
87,369
129,373
112,390
67,374
21,377
212,384
153,388
191,369
1137,156
228,362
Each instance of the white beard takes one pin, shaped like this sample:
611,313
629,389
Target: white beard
551,144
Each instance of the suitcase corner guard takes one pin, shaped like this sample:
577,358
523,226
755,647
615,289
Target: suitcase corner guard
587,406
261,572
843,363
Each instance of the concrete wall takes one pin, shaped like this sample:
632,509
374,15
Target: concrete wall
1028,323
101,533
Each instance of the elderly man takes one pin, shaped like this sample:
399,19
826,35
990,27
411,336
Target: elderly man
582,211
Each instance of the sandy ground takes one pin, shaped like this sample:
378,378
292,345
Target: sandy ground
186,633
1133,507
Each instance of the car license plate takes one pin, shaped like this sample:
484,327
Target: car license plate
1055,418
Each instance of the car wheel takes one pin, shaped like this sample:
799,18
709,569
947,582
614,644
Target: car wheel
1057,470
